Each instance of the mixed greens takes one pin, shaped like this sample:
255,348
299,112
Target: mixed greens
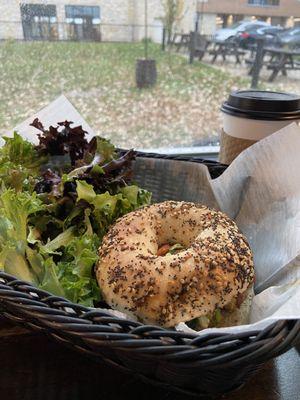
57,201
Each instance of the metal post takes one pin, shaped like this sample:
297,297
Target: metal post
146,29
200,18
257,63
197,23
192,46
163,45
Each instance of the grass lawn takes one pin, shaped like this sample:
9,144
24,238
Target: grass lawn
183,108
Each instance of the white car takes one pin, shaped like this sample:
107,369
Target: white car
228,33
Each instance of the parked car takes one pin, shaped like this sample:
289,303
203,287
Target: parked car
249,36
229,33
289,38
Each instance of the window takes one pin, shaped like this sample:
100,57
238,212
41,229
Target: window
83,12
83,22
39,21
264,3
90,48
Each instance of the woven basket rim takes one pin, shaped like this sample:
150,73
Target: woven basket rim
91,331
24,295
95,332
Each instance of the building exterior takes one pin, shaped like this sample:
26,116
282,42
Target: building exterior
123,20
217,14
106,20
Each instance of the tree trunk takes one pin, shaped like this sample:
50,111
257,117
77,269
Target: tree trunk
146,73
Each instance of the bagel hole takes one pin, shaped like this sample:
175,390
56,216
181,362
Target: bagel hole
169,248
169,236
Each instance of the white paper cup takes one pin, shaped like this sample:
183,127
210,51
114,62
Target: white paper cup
249,116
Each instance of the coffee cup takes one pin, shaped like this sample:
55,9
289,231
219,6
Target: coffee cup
252,115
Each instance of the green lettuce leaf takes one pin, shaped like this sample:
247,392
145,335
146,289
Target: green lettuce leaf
144,197
107,203
131,193
175,248
59,241
75,270
19,151
17,207
52,220
15,210
19,163
85,191
51,282
105,149
14,262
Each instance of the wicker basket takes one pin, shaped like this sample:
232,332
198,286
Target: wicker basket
202,366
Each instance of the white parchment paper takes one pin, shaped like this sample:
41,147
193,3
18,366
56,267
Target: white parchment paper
261,192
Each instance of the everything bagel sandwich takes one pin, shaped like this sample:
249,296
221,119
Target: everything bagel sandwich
177,262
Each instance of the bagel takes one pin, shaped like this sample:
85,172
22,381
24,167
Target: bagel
212,270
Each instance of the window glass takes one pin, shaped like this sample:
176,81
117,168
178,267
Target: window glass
94,53
82,23
38,21
264,2
80,11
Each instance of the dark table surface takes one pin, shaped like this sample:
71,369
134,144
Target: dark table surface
36,367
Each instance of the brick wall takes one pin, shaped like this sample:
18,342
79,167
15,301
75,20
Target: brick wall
10,13
121,20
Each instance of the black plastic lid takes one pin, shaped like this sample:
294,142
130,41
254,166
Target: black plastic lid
263,105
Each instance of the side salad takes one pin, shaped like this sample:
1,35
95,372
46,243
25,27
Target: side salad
57,201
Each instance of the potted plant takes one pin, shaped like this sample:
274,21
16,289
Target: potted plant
146,72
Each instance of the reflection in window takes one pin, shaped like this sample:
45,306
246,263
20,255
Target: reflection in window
39,21
264,2
83,22
83,11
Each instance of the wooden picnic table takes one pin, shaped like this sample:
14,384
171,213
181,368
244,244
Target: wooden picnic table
184,40
224,49
279,60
